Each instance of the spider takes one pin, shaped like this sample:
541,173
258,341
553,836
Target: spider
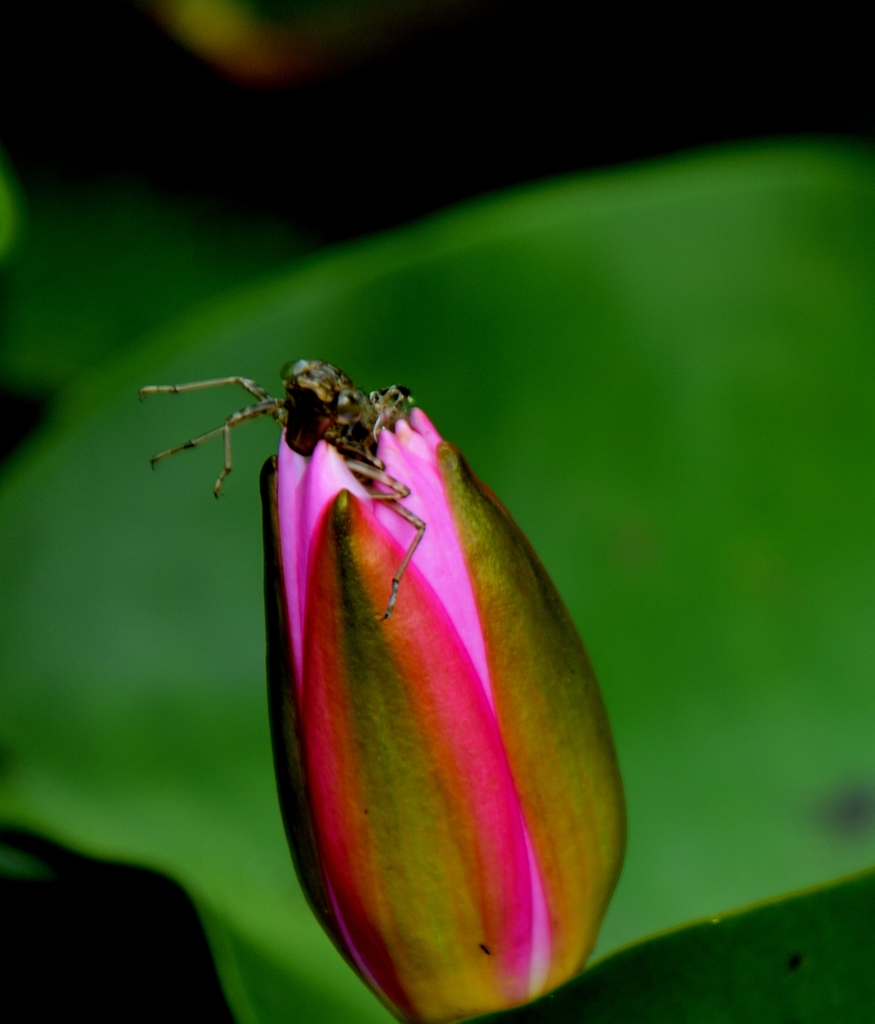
320,404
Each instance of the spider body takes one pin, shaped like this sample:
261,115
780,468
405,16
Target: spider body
322,403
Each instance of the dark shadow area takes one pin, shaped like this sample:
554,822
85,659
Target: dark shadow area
532,90
100,942
18,417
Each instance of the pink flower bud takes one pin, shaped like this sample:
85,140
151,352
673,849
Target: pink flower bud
447,775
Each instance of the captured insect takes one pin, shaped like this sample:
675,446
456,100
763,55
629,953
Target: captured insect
321,404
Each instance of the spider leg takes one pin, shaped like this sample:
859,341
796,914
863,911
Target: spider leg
414,520
256,390
400,490
269,407
379,476
396,490
352,455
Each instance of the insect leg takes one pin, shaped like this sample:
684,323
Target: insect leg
269,407
354,454
256,390
379,476
193,443
414,520
397,490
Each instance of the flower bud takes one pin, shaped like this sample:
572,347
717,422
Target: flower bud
446,775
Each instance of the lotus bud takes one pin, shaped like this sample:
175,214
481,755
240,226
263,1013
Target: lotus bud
447,776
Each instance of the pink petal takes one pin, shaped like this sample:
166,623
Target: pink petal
410,457
305,488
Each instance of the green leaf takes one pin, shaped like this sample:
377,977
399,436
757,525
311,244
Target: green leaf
665,372
10,213
105,262
805,959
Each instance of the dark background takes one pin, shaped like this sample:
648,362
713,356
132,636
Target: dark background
92,90
533,90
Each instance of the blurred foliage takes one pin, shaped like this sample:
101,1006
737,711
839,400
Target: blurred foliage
9,208
805,959
104,263
666,372
274,43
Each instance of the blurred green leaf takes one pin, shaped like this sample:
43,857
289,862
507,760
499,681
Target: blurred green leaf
805,959
666,372
10,214
106,262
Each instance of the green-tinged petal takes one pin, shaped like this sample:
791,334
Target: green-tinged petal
551,718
